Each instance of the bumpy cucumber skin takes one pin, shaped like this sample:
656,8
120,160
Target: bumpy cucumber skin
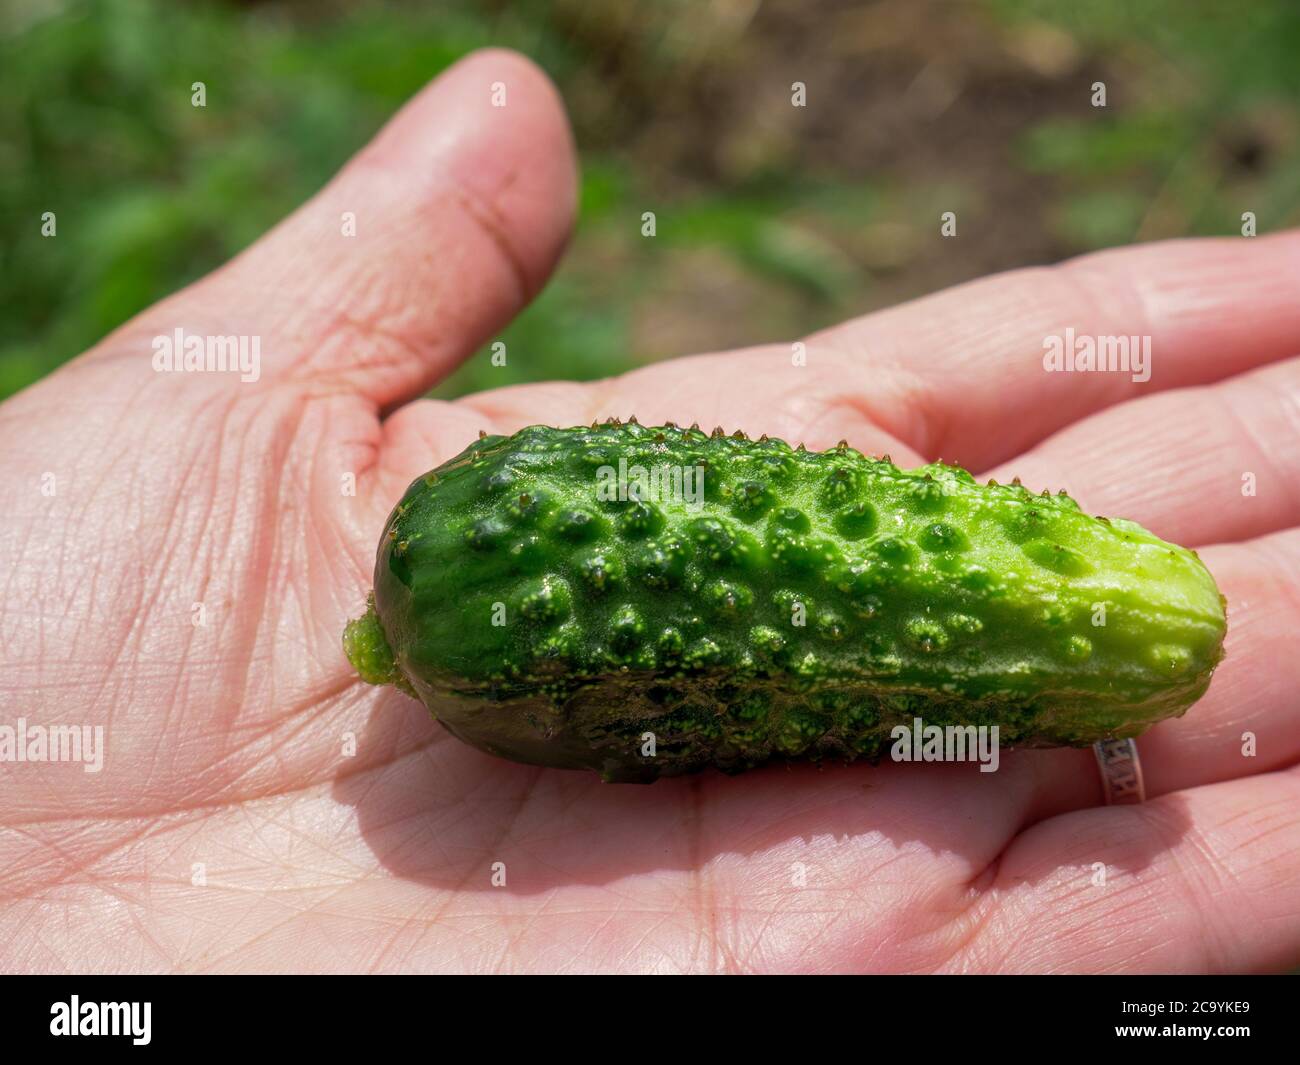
921,593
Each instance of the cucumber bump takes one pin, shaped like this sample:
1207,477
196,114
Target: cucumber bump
649,601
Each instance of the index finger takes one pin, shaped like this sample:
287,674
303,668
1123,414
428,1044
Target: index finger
970,374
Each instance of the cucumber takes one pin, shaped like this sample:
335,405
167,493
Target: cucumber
758,601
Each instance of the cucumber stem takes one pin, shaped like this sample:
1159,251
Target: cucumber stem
367,649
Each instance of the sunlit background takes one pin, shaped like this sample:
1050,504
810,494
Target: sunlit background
772,220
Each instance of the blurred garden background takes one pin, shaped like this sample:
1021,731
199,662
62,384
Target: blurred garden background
772,220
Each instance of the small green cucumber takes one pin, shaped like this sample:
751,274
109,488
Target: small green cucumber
648,601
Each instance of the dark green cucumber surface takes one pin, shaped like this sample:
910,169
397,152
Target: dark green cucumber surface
803,605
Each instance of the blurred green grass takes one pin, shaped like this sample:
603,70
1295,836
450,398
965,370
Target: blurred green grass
772,221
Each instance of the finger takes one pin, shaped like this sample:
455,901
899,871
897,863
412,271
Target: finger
1197,465
747,390
960,375
760,390
431,237
1202,880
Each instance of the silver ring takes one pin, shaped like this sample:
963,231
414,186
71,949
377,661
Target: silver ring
1121,771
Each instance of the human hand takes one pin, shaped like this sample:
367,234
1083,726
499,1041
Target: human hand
186,583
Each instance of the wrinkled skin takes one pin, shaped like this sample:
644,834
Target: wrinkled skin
227,760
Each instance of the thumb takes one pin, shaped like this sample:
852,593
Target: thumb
430,238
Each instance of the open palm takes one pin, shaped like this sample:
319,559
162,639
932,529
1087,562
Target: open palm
180,553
